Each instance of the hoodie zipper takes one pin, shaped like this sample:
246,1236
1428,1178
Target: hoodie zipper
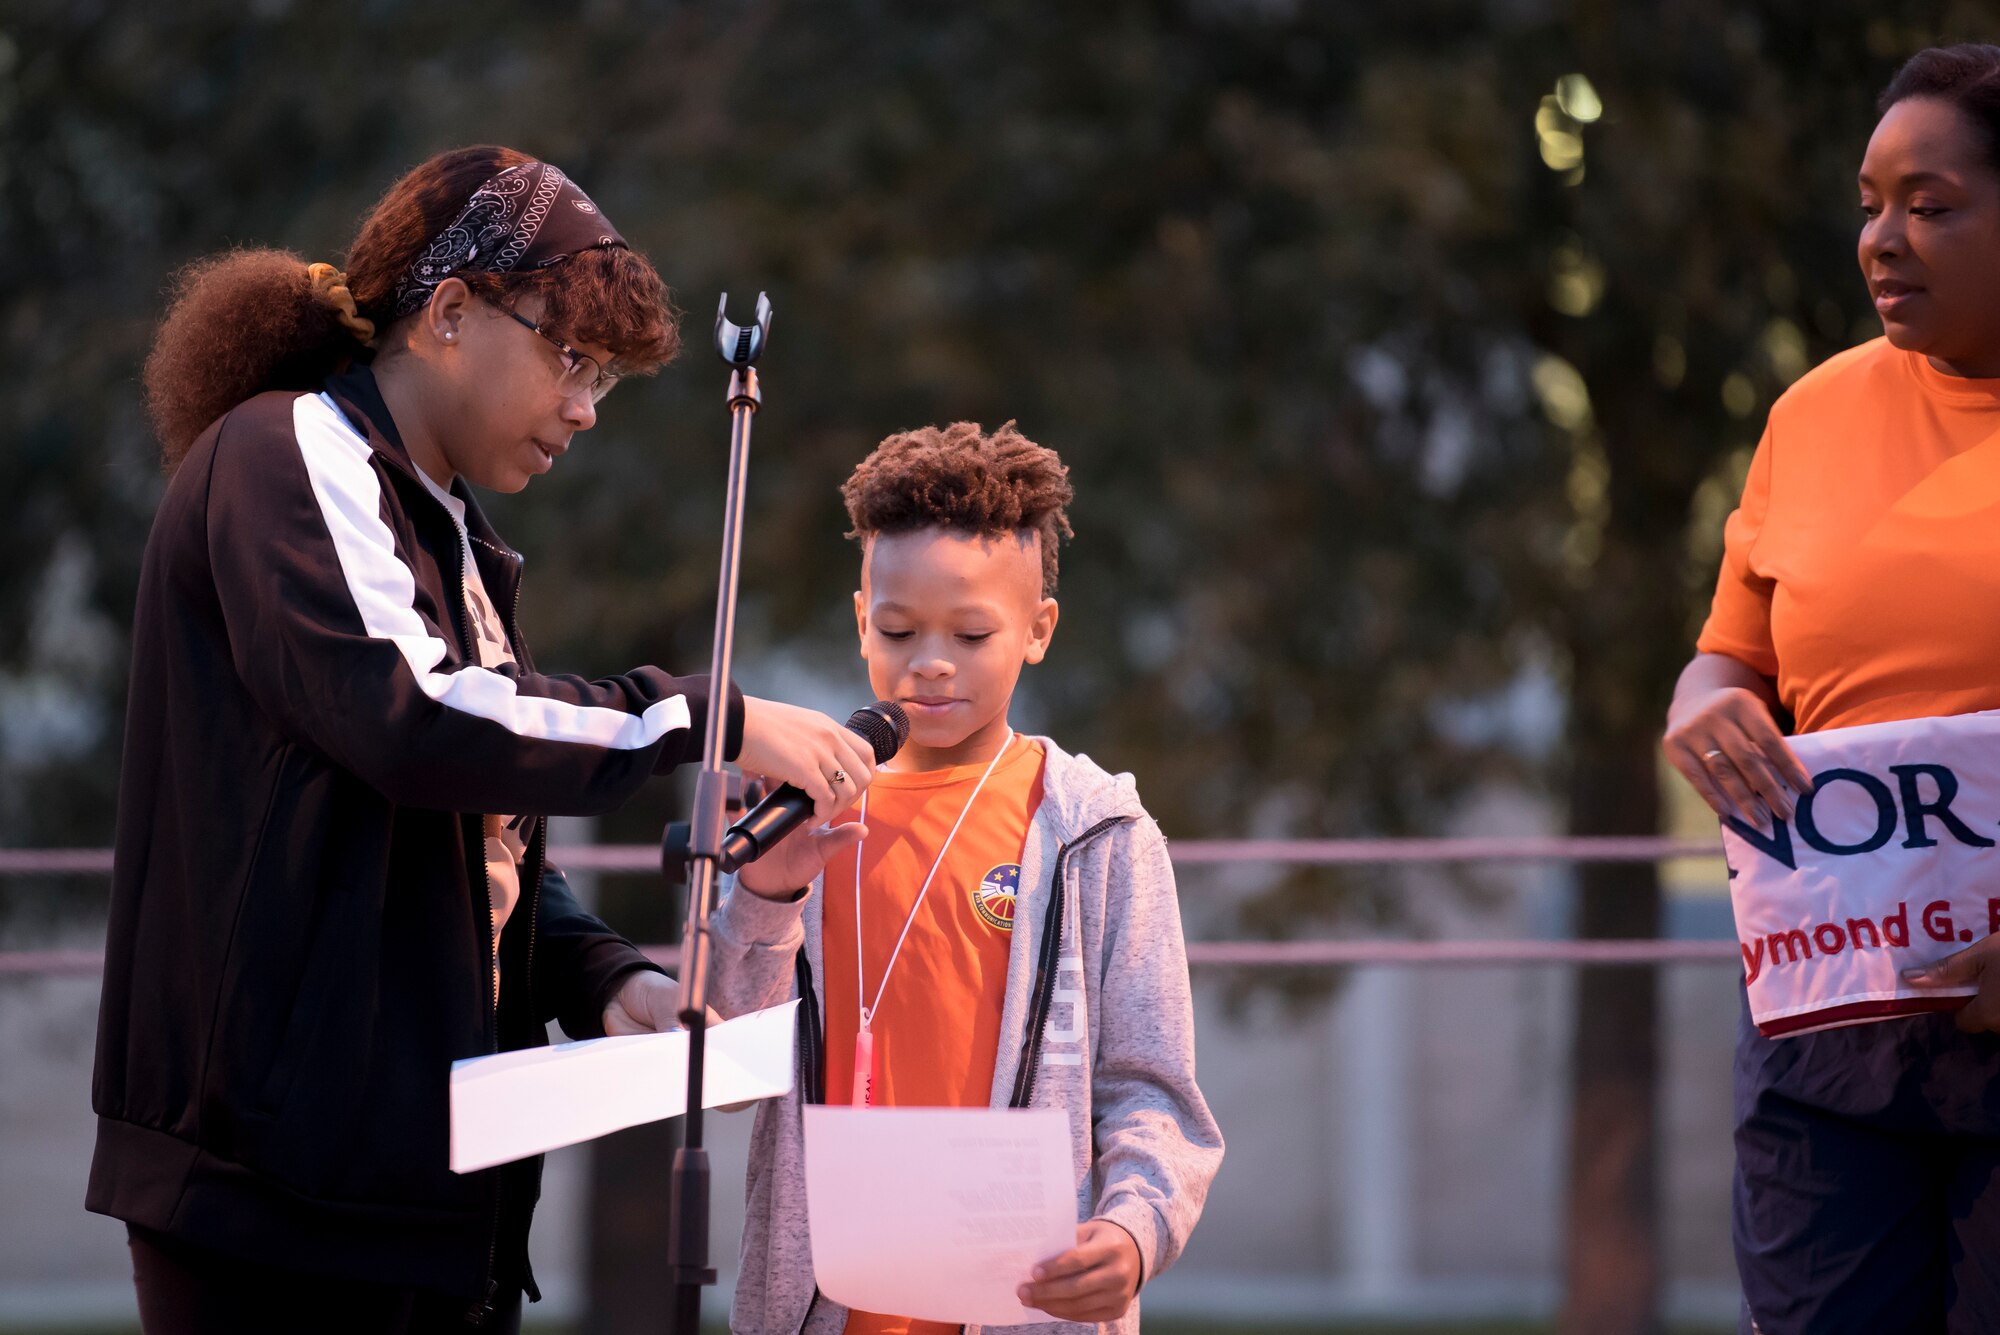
1047,963
812,1074
812,1047
1046,968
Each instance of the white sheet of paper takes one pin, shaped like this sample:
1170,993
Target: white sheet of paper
514,1104
937,1213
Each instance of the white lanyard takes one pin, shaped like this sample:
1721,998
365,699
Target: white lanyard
860,990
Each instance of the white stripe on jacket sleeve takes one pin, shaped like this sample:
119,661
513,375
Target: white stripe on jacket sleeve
384,590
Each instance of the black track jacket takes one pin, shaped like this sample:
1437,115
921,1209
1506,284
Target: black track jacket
299,935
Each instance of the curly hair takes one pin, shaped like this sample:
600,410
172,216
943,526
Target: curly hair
1966,76
246,321
959,477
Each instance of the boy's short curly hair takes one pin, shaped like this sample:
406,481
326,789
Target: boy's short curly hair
959,477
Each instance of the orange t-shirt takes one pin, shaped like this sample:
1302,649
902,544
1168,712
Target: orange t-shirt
937,1029
1862,569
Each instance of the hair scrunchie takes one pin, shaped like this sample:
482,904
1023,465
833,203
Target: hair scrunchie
329,285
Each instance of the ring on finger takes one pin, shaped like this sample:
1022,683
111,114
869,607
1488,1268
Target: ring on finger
1710,755
838,777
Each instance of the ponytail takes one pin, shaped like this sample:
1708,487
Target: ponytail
240,323
330,289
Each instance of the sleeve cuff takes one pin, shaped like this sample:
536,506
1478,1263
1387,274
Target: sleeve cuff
591,1025
1143,1223
732,732
1758,659
752,920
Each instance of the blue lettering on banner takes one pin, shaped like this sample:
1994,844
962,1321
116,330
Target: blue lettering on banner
1878,792
1916,814
1776,845
1915,809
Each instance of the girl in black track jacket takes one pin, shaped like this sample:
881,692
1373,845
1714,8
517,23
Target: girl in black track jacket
330,878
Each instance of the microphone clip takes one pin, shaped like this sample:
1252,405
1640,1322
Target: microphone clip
741,346
676,844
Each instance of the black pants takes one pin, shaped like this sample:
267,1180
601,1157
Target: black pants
187,1290
1867,1196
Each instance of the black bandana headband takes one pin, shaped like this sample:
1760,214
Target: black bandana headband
527,217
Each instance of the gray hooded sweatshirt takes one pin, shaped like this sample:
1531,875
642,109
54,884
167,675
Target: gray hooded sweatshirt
1097,1021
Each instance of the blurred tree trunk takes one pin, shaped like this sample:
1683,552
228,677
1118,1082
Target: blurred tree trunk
1612,1250
1626,639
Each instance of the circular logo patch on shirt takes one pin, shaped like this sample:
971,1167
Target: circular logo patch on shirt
993,898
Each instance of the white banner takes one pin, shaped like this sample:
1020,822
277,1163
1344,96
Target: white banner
1890,862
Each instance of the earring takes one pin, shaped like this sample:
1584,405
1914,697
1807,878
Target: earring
449,336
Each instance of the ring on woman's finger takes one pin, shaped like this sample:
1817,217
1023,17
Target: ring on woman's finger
838,777
1710,755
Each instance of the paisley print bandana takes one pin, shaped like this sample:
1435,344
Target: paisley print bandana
527,217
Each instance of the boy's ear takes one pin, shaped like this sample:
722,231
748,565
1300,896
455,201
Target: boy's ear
1041,630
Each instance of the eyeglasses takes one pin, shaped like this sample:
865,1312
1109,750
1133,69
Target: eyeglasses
580,370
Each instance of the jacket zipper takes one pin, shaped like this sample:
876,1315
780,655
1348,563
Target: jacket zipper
482,1311
462,622
539,839
481,1314
1046,965
510,628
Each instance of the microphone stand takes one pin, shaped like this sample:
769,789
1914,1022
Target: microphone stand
698,846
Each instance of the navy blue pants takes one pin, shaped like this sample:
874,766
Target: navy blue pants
1867,1194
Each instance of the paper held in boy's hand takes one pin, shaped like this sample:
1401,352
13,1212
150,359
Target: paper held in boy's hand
937,1213
514,1104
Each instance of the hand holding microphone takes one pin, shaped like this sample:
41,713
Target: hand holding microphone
805,749
775,866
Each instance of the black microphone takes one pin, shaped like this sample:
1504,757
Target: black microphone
883,725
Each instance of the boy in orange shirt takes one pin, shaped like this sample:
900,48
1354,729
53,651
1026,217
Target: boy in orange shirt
994,924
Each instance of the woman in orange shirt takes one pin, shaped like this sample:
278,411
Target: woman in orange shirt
1861,583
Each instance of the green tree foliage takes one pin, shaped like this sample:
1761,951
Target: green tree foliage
1363,396
1405,357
